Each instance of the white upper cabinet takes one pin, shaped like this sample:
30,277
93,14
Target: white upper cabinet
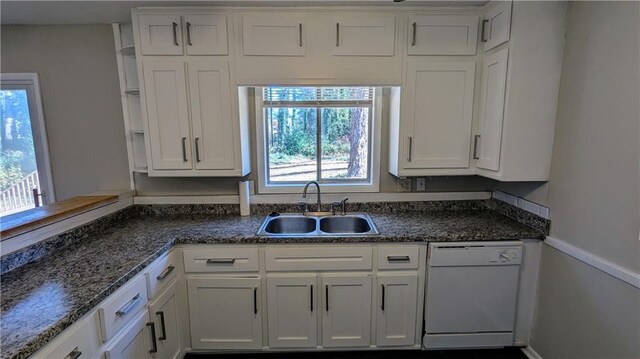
206,34
293,311
487,141
200,34
360,35
273,35
347,310
442,35
438,114
168,114
160,34
397,306
211,114
496,26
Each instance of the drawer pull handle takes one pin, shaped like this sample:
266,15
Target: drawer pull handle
398,259
382,305
165,273
164,328
413,35
152,326
189,33
175,34
221,261
74,354
326,297
255,300
129,306
482,30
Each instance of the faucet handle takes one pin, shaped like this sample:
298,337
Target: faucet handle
304,205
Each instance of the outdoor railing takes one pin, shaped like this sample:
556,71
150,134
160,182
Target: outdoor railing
19,196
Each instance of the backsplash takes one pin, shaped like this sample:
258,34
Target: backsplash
521,210
537,209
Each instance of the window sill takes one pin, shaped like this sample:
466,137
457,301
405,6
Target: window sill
324,188
32,219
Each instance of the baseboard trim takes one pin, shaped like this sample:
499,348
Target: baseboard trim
530,353
600,263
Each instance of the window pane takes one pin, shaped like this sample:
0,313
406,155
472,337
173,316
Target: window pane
291,141
290,94
345,143
18,170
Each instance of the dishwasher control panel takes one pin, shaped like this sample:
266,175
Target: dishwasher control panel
490,254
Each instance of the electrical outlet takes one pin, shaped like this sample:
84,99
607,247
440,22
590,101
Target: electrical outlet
404,185
421,184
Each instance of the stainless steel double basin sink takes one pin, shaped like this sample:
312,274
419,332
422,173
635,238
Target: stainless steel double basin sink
299,225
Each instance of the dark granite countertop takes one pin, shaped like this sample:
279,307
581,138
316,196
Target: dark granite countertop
42,298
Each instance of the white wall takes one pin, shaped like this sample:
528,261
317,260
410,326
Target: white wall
81,100
593,192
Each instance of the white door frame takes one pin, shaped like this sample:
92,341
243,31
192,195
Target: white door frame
30,83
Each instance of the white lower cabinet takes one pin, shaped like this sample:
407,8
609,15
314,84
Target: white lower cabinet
163,312
293,311
397,308
134,342
225,312
346,318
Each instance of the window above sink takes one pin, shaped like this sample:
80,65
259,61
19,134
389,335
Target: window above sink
326,134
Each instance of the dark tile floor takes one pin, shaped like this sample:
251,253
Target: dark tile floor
506,353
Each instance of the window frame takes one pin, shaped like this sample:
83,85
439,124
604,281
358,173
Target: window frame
372,184
30,82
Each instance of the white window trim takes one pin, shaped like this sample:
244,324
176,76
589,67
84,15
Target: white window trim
31,83
372,186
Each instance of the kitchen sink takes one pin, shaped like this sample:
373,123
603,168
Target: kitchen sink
291,224
345,224
298,225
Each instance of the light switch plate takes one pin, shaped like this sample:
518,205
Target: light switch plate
404,185
421,184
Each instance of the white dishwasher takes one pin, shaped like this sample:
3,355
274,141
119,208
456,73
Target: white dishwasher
471,294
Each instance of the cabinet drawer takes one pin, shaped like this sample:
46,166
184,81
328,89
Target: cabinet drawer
318,258
398,257
221,260
161,272
80,340
121,307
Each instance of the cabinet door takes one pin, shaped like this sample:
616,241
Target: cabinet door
134,342
211,115
293,306
164,313
347,310
225,313
489,139
398,300
372,35
206,34
273,35
438,114
166,96
442,35
496,27
160,34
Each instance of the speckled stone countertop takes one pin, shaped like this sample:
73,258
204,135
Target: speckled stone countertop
42,298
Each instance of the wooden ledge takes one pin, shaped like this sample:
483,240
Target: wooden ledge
29,220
